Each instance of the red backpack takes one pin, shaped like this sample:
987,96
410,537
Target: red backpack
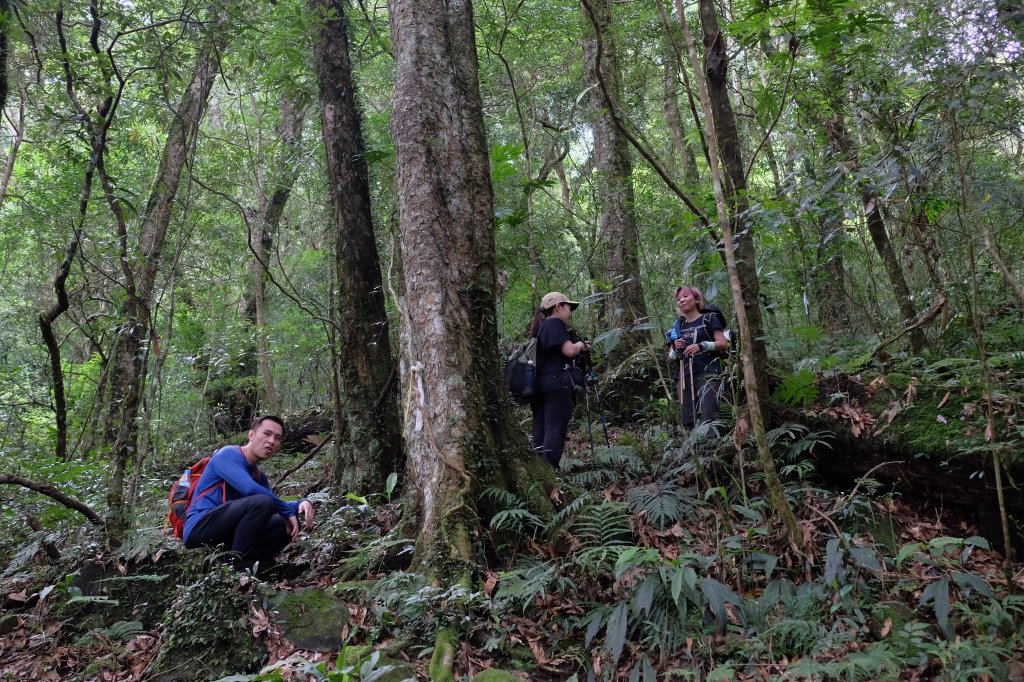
180,498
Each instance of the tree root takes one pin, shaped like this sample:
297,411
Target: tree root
442,663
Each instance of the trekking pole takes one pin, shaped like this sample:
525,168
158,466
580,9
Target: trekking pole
590,424
682,393
592,381
693,395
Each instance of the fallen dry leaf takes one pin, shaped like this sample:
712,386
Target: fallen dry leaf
538,650
490,581
260,622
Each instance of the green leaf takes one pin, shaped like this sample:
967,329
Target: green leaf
596,621
833,562
906,551
970,581
864,558
937,593
716,596
644,596
615,635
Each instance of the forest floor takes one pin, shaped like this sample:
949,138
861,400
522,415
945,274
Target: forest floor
663,562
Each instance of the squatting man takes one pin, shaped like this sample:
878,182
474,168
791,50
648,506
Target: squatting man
234,506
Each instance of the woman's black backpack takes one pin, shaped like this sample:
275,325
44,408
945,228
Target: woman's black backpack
716,312
521,371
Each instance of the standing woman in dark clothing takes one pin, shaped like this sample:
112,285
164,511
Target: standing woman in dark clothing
695,340
555,396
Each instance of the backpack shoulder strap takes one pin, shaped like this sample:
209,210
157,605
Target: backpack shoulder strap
708,329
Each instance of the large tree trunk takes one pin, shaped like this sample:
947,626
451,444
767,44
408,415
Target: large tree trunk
457,423
716,64
371,447
141,265
624,306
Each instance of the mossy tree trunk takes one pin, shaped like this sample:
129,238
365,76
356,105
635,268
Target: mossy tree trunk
141,264
459,436
619,267
369,446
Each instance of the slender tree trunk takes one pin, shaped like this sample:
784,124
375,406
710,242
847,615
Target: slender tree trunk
5,22
150,405
838,135
272,201
986,232
923,235
716,64
624,306
456,420
17,137
372,446
674,120
142,264
97,124
829,271
725,222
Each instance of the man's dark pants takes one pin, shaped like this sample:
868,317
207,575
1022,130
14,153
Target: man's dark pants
249,526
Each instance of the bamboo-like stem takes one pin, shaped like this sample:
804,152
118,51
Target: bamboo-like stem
746,337
979,337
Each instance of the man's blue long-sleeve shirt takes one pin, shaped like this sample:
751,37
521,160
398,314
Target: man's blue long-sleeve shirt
228,465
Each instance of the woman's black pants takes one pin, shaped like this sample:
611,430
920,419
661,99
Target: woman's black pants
552,410
699,404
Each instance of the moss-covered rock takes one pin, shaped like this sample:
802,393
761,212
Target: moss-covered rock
496,675
312,619
358,656
207,633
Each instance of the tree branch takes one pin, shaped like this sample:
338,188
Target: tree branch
616,116
782,107
54,494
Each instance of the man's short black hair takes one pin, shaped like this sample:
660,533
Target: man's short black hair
272,417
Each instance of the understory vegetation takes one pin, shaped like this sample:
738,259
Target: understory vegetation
347,214
663,561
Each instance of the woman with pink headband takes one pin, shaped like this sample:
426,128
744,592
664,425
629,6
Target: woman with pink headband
696,340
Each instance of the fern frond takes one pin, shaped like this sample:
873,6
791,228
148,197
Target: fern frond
790,431
591,478
601,559
603,525
526,583
521,521
570,510
663,501
622,460
501,497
